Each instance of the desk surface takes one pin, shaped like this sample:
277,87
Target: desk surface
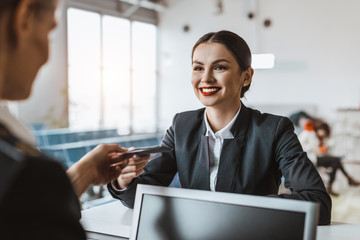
114,220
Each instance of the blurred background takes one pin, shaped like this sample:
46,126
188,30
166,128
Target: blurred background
120,69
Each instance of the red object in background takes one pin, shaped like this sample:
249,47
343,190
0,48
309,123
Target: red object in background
309,126
323,149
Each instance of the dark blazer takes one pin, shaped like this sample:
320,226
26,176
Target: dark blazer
263,150
36,197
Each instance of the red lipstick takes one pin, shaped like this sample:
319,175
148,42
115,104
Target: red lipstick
207,91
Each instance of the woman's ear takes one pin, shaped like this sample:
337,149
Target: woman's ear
22,20
248,74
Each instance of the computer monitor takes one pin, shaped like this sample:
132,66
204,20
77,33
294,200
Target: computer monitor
186,214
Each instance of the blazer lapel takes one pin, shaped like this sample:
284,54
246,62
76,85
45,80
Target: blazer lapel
232,152
229,163
201,170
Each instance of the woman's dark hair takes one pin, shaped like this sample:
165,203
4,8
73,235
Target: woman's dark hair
38,7
235,44
6,4
320,125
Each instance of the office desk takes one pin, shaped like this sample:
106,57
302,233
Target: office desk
114,220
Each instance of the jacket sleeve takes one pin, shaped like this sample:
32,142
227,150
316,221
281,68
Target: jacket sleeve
41,204
301,177
160,171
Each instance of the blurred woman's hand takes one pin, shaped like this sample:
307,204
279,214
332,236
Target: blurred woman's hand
101,165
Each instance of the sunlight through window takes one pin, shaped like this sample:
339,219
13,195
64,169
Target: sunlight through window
112,73
84,69
144,76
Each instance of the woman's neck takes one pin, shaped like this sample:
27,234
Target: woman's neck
218,118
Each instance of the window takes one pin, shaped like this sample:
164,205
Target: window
144,76
112,72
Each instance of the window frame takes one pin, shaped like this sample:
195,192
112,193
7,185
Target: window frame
105,7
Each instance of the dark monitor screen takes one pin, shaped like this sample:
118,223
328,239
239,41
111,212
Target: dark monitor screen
163,217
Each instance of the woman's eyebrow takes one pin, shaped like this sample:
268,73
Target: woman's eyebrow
214,62
220,60
197,62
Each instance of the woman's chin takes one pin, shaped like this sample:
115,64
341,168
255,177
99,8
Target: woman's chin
17,95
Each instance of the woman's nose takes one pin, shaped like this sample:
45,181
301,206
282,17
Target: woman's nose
207,77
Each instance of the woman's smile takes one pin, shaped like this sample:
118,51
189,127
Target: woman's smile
207,91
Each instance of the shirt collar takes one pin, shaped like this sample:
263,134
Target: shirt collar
224,133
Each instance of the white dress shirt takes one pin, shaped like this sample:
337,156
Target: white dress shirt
216,141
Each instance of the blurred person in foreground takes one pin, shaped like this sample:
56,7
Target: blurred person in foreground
38,199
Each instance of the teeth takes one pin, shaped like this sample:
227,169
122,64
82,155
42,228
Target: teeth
209,89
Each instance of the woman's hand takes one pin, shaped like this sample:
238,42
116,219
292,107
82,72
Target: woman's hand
107,161
133,169
99,166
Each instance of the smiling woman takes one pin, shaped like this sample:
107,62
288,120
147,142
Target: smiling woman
235,45
226,146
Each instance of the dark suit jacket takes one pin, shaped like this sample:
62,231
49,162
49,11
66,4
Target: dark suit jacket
263,150
36,197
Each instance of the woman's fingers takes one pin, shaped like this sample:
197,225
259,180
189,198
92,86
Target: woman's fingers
134,168
130,175
131,160
109,148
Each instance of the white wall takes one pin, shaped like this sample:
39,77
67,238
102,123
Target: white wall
316,44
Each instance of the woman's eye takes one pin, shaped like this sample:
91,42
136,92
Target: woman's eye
198,68
220,67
